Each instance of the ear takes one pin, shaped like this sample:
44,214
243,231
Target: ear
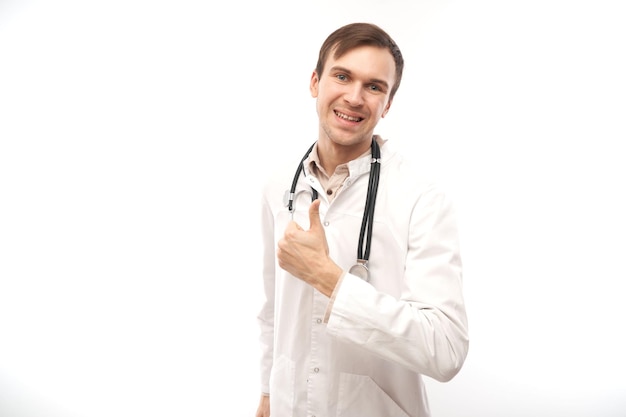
314,86
386,108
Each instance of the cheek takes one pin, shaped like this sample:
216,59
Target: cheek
329,91
324,97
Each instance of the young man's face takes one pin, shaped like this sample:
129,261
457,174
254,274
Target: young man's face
353,94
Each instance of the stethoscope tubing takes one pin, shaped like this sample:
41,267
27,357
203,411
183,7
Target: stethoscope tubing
294,183
370,203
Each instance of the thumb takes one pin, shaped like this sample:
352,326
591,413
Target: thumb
314,214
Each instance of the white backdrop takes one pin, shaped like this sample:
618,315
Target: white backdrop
134,136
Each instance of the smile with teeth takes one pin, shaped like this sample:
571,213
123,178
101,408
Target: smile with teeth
349,118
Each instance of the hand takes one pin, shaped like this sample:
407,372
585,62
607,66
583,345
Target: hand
304,253
264,406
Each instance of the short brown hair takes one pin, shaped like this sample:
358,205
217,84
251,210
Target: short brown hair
354,35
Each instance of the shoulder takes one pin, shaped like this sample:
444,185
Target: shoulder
409,181
401,168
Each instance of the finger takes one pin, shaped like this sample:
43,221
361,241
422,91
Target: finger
314,214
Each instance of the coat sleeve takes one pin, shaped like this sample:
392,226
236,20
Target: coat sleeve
425,329
265,318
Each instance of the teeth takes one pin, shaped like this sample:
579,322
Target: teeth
350,118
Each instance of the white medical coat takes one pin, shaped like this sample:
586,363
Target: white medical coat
381,336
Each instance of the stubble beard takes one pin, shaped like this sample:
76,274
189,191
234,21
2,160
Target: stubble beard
355,140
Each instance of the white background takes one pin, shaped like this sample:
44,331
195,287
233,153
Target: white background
134,136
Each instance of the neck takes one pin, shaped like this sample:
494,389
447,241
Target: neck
332,155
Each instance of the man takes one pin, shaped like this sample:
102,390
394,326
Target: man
362,272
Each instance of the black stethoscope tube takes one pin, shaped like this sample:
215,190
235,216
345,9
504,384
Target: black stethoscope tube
370,202
292,191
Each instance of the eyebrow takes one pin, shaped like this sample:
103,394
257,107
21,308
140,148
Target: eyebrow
347,71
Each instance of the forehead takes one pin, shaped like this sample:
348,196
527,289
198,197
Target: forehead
367,61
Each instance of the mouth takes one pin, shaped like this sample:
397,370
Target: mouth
347,117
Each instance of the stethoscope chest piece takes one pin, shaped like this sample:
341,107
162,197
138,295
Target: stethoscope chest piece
360,270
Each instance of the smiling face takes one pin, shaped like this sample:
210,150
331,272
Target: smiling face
352,93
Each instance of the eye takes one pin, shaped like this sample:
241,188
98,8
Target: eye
342,77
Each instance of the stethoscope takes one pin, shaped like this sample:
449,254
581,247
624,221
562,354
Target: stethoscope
360,269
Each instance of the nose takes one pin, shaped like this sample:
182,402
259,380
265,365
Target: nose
354,94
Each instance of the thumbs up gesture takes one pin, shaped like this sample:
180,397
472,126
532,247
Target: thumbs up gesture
304,253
